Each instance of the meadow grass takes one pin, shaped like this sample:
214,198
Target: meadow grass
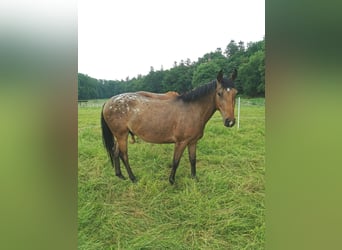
223,209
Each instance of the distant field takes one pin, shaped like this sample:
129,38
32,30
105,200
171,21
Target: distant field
224,209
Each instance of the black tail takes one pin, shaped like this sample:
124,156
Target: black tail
107,138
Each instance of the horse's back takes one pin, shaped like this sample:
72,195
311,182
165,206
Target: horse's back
160,96
140,114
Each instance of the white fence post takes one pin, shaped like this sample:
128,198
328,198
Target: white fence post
238,121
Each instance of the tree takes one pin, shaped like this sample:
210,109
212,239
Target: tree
253,47
250,62
88,88
218,50
241,46
231,48
178,79
205,73
152,82
252,75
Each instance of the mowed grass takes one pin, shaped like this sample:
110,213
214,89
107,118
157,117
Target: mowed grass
223,209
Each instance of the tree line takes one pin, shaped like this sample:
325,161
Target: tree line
186,75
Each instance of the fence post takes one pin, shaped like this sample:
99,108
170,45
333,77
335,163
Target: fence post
238,121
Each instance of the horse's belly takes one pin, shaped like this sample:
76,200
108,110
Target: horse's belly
154,132
153,139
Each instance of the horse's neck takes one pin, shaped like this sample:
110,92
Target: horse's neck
207,106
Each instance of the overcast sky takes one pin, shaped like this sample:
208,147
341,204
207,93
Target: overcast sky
124,38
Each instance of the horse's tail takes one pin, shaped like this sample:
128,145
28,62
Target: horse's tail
107,138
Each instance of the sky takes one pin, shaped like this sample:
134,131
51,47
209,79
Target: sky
124,38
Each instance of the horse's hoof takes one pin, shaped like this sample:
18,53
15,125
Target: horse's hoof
134,180
194,177
121,176
172,180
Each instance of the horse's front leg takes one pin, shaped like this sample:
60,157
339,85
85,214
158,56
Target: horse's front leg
179,149
192,158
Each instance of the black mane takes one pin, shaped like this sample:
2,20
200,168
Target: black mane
201,91
198,92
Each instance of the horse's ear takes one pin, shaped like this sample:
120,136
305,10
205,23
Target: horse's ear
234,74
220,76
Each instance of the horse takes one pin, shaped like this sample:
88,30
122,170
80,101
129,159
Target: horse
180,120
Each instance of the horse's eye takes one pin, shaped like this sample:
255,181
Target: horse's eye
219,94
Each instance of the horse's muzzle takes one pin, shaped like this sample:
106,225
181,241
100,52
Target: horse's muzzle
229,123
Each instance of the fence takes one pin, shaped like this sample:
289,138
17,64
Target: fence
244,103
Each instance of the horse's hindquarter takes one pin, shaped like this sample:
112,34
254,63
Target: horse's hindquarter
115,114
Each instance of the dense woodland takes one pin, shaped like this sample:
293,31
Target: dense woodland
186,75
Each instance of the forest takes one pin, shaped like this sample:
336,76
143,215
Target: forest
185,75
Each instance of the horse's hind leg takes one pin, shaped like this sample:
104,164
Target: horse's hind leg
124,157
117,161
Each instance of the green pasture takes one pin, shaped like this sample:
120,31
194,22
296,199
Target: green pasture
223,209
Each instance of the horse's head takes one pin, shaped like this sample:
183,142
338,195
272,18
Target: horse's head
225,97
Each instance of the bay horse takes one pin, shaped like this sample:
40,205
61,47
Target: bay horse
180,120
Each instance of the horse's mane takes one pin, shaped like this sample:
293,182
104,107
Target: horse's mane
198,92
203,90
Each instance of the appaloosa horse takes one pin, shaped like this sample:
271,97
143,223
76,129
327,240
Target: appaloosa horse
179,120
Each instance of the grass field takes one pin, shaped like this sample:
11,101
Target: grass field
224,209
